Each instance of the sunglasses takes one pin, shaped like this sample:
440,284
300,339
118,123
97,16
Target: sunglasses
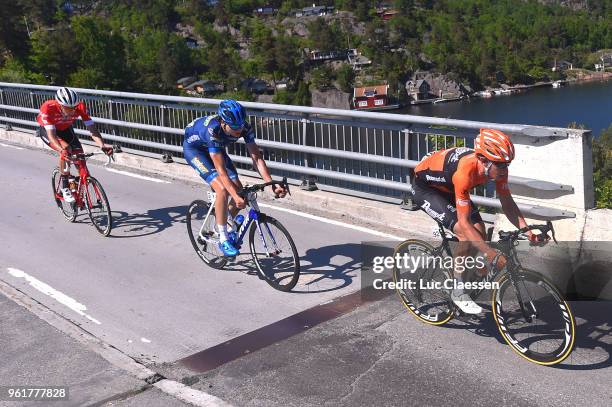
501,166
235,128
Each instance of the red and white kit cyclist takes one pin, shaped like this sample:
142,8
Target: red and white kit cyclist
443,181
56,118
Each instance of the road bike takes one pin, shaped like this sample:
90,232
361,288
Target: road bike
87,192
271,246
531,314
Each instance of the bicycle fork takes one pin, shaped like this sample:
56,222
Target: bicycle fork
528,308
276,251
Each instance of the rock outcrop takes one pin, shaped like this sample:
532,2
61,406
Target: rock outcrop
333,99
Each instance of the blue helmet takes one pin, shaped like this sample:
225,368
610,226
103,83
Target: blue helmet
232,113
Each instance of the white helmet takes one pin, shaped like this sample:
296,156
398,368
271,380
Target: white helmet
67,97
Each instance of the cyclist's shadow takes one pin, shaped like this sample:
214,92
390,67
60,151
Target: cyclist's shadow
129,225
329,268
593,346
322,269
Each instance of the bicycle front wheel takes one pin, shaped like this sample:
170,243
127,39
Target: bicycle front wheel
98,207
69,210
274,253
421,285
534,318
201,230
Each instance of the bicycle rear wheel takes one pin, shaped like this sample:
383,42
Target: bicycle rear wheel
69,210
546,336
274,253
98,207
202,234
426,298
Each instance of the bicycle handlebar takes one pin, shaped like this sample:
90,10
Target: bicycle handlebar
83,156
544,229
260,187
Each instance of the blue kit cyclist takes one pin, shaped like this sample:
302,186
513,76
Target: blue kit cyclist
204,148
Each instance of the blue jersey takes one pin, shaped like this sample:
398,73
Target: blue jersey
205,134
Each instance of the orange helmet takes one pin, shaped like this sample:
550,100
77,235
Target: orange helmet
494,145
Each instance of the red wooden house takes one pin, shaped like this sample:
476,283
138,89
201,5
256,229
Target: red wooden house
371,97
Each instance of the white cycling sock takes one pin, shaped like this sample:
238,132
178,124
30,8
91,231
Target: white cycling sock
222,229
458,291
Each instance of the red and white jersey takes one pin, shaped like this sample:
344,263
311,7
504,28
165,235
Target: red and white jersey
52,117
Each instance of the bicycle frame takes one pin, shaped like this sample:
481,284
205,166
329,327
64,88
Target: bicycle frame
513,264
81,166
253,215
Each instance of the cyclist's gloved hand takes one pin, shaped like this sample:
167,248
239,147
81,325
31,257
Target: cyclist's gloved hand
240,202
64,154
279,191
539,239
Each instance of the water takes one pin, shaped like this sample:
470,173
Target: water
588,103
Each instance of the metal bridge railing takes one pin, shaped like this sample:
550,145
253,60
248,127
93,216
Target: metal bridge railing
358,153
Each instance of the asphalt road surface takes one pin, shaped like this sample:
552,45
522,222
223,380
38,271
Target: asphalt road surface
145,292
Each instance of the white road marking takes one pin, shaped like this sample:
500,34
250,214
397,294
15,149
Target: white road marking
111,354
334,222
130,174
53,293
189,395
145,340
10,146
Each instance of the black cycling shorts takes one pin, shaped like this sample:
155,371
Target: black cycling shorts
67,135
440,205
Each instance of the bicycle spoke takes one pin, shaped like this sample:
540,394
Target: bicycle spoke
201,223
274,254
429,305
534,319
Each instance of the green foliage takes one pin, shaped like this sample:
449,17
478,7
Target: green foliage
439,142
283,97
102,53
55,54
322,77
302,95
13,37
603,191
475,39
324,36
14,71
346,78
602,169
136,44
241,94
38,12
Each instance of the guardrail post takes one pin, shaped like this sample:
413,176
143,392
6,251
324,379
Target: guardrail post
32,100
407,196
7,126
111,115
166,157
308,181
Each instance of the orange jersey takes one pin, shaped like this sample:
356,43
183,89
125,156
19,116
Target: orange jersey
52,117
455,171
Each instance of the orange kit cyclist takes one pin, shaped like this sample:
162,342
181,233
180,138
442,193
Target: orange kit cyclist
443,181
55,119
